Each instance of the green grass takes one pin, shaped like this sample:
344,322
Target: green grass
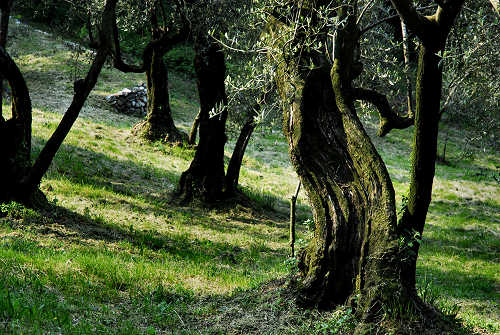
114,254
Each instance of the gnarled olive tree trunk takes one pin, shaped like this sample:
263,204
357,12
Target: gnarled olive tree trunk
354,253
205,176
158,124
357,254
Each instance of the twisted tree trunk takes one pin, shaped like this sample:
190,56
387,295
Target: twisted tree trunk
354,253
357,254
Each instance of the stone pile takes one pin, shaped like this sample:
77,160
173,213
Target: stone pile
132,101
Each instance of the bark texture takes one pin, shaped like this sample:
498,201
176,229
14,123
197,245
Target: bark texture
354,253
204,178
359,252
433,32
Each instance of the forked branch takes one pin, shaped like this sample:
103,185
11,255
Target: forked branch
389,119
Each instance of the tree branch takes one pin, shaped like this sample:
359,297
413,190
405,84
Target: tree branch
496,6
82,87
389,18
424,28
389,119
118,62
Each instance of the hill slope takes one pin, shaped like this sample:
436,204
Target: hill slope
114,255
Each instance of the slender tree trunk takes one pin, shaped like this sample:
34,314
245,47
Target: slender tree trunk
433,32
158,124
234,167
194,129
22,180
423,157
204,178
406,54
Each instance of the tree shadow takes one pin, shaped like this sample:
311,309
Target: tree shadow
62,223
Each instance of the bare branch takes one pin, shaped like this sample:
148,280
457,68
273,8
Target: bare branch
389,119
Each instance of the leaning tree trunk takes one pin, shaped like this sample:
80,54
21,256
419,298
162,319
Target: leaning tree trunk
194,129
205,176
234,166
158,124
20,179
354,252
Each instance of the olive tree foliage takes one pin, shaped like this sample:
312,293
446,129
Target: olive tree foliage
471,94
470,68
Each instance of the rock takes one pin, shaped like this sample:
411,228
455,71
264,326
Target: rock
130,101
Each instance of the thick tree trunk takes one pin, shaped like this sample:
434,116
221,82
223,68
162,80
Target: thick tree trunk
204,178
158,124
234,167
354,252
15,133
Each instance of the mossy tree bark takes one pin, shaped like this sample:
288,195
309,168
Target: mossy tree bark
204,179
20,178
355,253
433,32
158,124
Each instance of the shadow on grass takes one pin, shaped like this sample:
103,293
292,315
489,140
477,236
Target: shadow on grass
68,225
126,177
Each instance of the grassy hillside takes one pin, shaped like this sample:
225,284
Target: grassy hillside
113,254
